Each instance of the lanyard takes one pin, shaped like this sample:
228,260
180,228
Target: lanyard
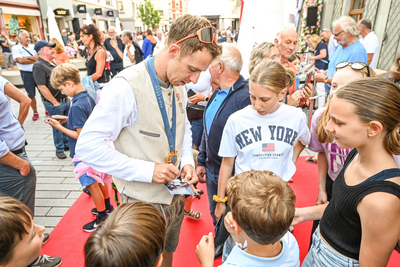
160,100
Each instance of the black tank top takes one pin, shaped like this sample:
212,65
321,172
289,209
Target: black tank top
340,225
91,69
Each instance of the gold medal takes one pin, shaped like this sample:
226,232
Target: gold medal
173,158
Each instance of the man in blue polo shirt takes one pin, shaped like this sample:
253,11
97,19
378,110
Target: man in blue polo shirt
349,49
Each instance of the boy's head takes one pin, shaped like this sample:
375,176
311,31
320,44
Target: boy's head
133,235
65,77
262,204
20,239
189,53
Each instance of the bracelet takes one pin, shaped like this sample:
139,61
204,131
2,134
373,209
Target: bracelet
220,200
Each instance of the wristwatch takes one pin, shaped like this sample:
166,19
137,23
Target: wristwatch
27,57
206,98
326,79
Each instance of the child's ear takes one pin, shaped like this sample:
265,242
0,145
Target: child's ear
159,261
237,227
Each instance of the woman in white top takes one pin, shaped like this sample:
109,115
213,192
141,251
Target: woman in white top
267,135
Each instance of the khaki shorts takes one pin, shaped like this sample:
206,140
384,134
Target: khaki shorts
173,214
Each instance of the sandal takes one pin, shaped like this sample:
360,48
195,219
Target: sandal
311,160
193,214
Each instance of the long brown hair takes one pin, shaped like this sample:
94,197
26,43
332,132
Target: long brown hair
323,135
133,235
92,29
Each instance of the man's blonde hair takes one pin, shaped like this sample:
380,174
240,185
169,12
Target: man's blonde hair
262,204
64,72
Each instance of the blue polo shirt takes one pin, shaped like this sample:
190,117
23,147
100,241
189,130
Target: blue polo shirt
82,106
214,106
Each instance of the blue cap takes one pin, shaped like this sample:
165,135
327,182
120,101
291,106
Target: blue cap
39,45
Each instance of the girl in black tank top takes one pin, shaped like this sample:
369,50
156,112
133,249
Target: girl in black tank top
91,65
361,224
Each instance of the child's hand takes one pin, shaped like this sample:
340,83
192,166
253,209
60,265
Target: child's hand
54,123
228,220
205,250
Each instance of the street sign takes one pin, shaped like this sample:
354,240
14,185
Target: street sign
81,8
110,13
61,12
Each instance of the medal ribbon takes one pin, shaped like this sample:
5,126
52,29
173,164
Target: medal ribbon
171,133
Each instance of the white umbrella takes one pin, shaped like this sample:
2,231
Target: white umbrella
117,25
52,25
88,19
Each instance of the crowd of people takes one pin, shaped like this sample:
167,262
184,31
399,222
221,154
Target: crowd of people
177,107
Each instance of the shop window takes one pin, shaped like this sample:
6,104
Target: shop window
13,23
161,13
109,2
356,9
121,6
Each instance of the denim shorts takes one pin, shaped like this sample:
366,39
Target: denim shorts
321,254
173,214
85,179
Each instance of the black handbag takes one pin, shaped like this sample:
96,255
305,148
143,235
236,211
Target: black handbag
195,111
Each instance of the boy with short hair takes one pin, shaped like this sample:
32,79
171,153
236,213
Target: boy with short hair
66,78
20,239
262,209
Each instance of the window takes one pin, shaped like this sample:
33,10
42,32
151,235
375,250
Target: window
161,13
120,6
108,3
356,9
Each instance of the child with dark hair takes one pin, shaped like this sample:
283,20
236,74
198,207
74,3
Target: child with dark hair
20,239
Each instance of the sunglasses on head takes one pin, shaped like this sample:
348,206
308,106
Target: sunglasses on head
205,35
353,65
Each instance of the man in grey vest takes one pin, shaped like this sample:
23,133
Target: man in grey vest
146,119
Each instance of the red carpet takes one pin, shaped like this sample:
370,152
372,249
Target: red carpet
68,239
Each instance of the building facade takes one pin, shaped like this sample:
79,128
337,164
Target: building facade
21,14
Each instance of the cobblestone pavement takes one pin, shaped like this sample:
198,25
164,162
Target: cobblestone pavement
56,188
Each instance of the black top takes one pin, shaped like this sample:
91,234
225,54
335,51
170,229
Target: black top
340,225
6,48
42,70
91,69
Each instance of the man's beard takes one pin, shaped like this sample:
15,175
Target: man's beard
343,41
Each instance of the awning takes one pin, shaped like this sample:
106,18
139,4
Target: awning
20,11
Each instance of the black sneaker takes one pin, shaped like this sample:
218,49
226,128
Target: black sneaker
61,155
92,226
47,261
109,210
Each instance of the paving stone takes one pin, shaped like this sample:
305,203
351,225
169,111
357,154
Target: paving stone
38,136
47,154
74,194
46,162
48,168
42,180
40,147
48,230
41,211
54,202
52,194
55,174
70,181
56,187
68,168
57,212
47,221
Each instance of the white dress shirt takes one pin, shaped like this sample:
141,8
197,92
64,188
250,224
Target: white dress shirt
116,110
19,51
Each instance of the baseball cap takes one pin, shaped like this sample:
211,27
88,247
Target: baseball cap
39,45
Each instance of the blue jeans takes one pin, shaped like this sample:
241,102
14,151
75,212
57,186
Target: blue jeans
59,138
321,254
212,189
197,131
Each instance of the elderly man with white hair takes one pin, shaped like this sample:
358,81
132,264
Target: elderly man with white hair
231,95
349,48
24,54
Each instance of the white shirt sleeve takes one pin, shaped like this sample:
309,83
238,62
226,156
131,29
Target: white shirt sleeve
304,132
227,147
3,83
16,52
187,152
117,109
132,51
